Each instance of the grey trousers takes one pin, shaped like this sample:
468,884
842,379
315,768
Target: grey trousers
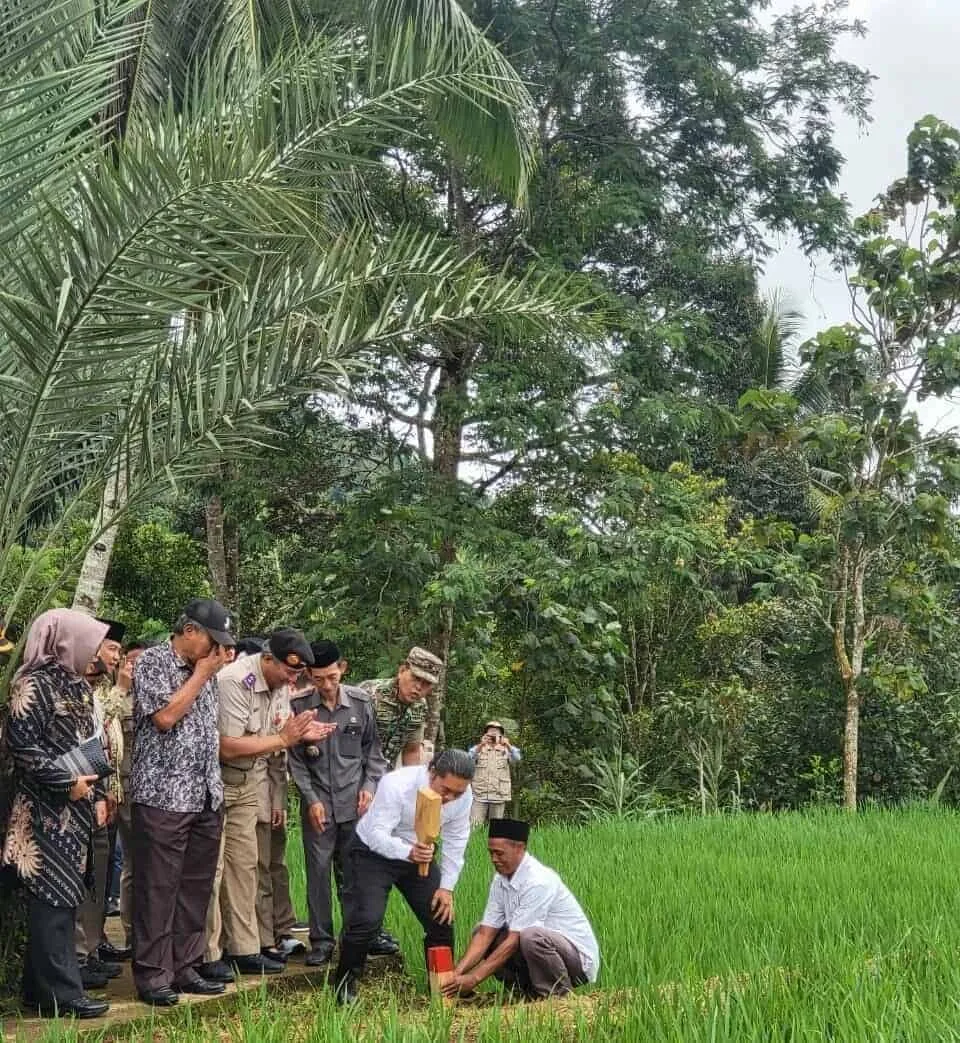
91,915
546,964
322,852
126,874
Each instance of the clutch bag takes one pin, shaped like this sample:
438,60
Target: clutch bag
89,758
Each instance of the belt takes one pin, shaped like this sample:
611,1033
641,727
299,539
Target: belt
234,776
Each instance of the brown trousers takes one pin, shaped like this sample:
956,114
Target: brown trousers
231,918
275,915
546,964
174,861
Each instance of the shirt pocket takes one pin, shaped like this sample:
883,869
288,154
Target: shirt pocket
256,720
350,740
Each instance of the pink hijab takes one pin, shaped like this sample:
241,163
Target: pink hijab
63,636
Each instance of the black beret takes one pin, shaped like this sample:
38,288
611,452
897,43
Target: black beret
290,647
509,829
325,653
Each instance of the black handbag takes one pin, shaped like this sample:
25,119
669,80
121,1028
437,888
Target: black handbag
89,758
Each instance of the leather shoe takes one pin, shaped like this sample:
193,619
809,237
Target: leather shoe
108,970
216,970
271,952
84,1007
384,945
194,984
109,953
162,997
346,990
319,956
288,946
255,963
89,980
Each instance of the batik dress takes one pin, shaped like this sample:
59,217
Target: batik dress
48,834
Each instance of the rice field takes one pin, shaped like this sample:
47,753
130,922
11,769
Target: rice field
751,928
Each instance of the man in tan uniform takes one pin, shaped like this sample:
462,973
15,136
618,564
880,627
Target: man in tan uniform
275,916
247,690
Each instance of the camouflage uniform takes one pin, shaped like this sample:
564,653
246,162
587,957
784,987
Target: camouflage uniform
398,724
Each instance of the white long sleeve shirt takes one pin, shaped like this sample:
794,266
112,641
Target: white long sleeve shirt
388,826
536,897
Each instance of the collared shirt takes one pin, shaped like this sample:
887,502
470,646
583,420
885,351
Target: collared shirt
175,770
388,827
247,703
399,724
536,897
334,771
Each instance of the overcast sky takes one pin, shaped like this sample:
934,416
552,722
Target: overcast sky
912,47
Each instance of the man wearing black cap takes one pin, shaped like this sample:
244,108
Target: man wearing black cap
176,796
534,936
337,782
253,692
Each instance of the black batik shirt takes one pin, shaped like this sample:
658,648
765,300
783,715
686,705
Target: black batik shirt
174,770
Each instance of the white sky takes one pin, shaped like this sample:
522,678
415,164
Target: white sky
911,47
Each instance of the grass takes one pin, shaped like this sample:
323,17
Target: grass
754,928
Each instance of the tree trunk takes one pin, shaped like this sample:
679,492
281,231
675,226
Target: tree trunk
849,645
216,549
851,739
93,573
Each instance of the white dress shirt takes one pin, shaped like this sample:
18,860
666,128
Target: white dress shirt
388,826
536,897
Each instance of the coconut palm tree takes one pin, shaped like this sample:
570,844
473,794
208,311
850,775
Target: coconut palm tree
188,236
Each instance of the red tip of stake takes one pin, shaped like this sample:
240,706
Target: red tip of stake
440,959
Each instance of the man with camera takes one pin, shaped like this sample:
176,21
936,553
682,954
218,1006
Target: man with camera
492,784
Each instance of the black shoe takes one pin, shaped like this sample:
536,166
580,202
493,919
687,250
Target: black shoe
113,907
90,980
84,1007
271,952
255,964
384,945
319,956
346,990
193,983
216,971
107,970
162,997
288,946
109,953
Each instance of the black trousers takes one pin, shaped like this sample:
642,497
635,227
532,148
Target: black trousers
51,973
372,876
174,862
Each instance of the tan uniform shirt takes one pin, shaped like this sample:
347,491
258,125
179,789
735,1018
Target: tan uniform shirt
247,707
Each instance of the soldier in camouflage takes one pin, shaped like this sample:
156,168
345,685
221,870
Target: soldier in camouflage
401,706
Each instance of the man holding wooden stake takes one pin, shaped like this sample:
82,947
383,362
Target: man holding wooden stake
534,936
394,846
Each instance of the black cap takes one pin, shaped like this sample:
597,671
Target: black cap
509,829
251,645
115,630
291,647
325,653
212,617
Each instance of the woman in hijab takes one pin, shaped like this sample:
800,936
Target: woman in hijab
53,810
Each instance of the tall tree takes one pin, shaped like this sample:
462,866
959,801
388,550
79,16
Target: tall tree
883,485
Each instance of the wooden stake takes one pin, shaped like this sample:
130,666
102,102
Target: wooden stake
427,820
